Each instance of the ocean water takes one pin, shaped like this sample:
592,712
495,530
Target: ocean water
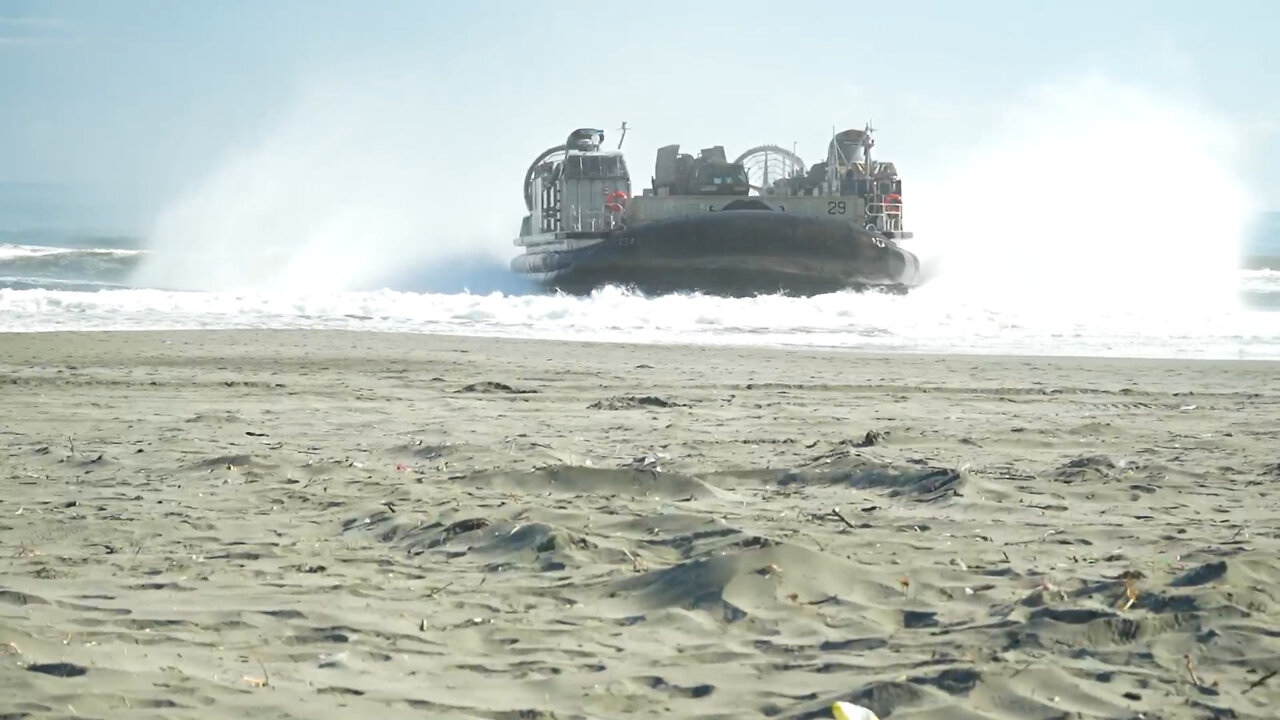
57,272
1099,243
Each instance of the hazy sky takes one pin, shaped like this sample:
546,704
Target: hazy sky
150,98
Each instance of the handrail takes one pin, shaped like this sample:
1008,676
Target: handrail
584,220
891,212
885,208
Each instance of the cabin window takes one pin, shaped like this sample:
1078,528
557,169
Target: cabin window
729,178
595,167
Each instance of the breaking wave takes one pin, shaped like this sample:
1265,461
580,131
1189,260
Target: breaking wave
924,322
44,266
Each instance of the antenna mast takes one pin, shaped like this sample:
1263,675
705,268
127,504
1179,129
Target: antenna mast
867,143
624,134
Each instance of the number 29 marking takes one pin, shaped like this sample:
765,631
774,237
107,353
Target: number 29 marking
835,207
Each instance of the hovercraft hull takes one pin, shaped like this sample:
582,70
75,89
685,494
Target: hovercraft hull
737,253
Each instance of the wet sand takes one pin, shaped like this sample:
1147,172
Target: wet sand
338,525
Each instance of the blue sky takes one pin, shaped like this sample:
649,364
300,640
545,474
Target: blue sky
148,99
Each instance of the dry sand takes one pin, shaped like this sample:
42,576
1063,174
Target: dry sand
339,525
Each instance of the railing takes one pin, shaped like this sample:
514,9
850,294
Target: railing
891,213
593,220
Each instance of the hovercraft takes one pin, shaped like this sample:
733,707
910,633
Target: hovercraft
761,224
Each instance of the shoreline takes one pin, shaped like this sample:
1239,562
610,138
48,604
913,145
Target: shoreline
682,344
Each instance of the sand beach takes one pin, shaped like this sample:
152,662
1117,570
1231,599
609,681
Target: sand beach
316,524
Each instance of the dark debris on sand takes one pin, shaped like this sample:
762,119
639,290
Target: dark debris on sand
631,402
497,388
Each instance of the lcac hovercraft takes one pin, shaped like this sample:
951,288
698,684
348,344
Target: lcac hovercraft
761,224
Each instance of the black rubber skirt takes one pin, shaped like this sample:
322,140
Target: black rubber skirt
734,253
